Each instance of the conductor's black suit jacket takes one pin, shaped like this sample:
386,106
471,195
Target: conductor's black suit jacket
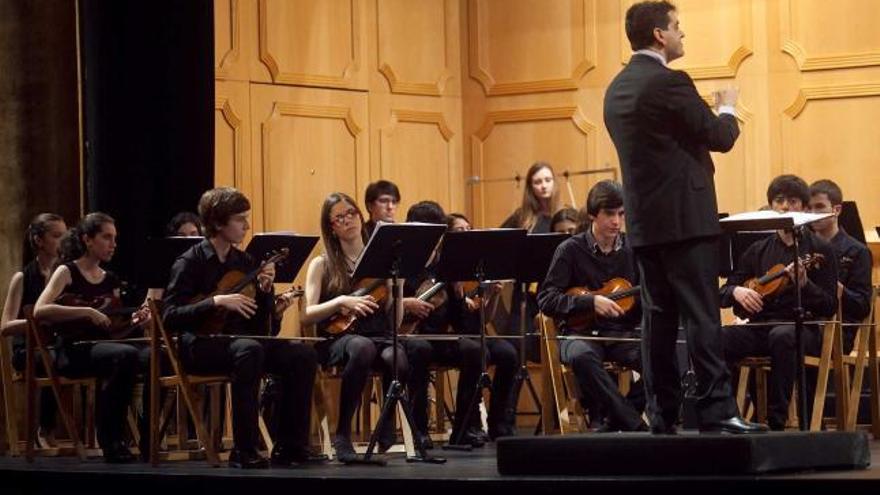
663,132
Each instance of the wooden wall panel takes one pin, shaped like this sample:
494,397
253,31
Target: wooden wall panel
307,144
232,137
818,40
313,42
417,145
527,46
509,141
835,137
418,45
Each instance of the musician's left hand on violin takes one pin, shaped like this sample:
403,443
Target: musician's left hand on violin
266,277
417,308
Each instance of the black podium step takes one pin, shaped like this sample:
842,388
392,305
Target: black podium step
688,453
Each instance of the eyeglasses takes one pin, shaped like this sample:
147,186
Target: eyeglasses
342,217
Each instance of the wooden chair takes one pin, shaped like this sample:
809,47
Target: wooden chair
865,355
36,348
760,365
184,383
560,391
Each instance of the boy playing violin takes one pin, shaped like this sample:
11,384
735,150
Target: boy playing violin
589,260
818,290
189,303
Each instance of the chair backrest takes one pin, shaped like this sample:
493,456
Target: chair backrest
869,323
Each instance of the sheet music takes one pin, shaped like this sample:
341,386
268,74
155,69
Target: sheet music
799,218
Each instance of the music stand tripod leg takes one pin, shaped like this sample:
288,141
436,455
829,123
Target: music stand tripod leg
522,374
395,391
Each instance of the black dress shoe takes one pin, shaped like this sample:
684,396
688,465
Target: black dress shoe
660,427
344,450
468,438
733,424
283,456
247,459
118,454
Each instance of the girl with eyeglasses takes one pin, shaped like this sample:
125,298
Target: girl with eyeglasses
328,287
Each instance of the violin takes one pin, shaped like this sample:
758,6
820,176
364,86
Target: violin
234,282
776,280
125,322
430,291
618,289
340,323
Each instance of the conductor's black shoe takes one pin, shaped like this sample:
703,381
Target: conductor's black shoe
247,459
735,425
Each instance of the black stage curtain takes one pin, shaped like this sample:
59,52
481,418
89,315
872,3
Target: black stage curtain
148,103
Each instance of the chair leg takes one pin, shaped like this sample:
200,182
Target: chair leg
821,383
742,387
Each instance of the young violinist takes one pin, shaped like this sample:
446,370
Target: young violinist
327,294
189,304
81,276
463,353
42,246
854,260
819,296
590,259
464,315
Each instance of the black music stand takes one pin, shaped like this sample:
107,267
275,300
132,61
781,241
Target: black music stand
533,262
851,221
300,247
397,251
479,255
794,222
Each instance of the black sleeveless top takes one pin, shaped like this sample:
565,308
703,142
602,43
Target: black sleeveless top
33,284
375,325
79,286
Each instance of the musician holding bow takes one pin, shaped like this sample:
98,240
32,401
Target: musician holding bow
818,291
192,299
589,260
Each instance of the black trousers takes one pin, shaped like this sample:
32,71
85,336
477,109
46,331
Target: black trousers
116,366
246,360
358,355
680,283
465,354
586,359
778,343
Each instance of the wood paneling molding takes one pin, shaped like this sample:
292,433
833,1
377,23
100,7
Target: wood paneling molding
231,56
493,87
224,105
419,116
830,92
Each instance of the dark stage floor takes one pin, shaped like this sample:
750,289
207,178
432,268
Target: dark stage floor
465,472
